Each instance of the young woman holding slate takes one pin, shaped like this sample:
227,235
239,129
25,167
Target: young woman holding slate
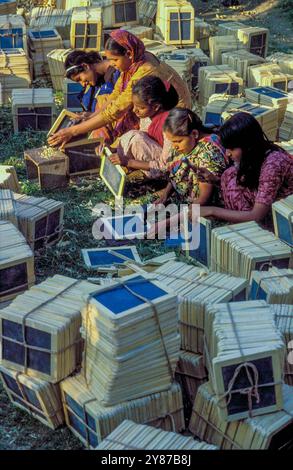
147,151
96,76
262,173
127,54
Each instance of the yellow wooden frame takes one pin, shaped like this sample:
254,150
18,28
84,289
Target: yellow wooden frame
64,113
125,23
105,156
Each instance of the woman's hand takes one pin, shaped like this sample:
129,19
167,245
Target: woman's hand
118,160
206,211
60,138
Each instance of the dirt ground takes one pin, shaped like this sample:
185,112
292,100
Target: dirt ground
17,429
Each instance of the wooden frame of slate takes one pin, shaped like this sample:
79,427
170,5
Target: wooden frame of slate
63,121
50,171
38,397
112,175
125,12
203,252
283,219
33,108
176,22
82,155
115,226
105,257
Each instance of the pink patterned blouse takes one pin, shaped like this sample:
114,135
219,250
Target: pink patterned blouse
276,182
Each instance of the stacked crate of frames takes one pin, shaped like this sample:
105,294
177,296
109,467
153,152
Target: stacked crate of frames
8,178
142,32
7,206
284,321
147,10
16,262
202,32
217,105
254,39
284,61
269,96
49,17
218,79
13,32
241,60
33,109
286,129
283,219
86,28
275,286
268,75
175,22
220,44
14,72
56,59
41,41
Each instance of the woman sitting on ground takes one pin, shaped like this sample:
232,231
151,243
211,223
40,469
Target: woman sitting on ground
127,54
262,173
147,151
96,76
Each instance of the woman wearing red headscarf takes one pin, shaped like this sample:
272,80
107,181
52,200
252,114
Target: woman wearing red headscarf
126,53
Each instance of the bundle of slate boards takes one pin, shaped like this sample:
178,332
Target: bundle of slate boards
284,321
254,39
286,129
41,399
39,219
212,112
197,289
284,61
175,22
133,436
288,145
33,109
220,44
14,72
283,218
241,60
190,373
8,178
7,206
52,18
7,7
268,75
49,315
270,431
110,259
244,354
179,62
202,32
147,11
158,47
267,117
269,96
131,339
41,41
218,79
142,32
56,61
241,248
275,286
16,262
91,422
12,32
86,28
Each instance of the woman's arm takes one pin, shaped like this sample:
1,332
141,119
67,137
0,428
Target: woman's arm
166,194
205,193
258,213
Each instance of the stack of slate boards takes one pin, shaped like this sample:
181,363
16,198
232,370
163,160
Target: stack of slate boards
270,431
202,32
14,72
198,59
288,145
33,109
197,289
212,112
8,178
71,91
49,315
218,79
102,258
130,436
7,206
244,354
131,339
269,96
142,32
286,129
39,219
241,248
268,75
7,7
175,22
284,61
16,262
254,39
158,47
275,286
179,62
86,28
190,373
48,166
284,321
91,422
267,117
220,44
283,218
56,61
12,32
41,41
38,397
241,60
52,18
147,10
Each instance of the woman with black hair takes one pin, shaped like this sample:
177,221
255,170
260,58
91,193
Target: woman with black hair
137,150
96,76
262,172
